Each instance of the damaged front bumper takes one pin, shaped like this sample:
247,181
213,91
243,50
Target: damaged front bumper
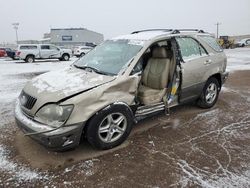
62,138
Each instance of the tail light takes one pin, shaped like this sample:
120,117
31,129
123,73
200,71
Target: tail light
18,53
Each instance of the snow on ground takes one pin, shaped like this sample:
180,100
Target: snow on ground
238,59
19,172
13,76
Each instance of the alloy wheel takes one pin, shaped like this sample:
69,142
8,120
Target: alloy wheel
211,93
112,127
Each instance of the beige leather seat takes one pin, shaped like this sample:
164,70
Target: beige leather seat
155,77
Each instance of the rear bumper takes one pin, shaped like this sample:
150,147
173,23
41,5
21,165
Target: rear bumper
224,77
63,138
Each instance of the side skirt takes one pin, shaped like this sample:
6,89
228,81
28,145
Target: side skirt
151,109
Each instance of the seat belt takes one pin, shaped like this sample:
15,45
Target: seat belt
167,99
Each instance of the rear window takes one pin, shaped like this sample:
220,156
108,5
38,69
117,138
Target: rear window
211,41
28,47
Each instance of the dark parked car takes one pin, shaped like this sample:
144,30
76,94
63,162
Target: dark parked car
10,53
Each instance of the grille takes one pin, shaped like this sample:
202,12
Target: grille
26,100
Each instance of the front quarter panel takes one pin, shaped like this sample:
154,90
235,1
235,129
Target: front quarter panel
122,89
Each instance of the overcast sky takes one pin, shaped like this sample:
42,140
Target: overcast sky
116,17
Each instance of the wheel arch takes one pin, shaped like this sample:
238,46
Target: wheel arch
218,77
30,55
65,53
122,105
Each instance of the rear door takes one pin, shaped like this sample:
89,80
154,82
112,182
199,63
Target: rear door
195,65
45,51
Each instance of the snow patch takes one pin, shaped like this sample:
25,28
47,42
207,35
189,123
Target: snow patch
20,173
87,167
238,59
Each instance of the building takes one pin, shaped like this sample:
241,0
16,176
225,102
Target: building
74,36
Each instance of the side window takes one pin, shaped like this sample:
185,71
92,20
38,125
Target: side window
138,67
28,47
53,48
190,48
45,47
203,52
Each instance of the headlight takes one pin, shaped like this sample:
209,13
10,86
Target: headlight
53,115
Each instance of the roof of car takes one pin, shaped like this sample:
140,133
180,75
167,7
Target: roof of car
141,35
28,44
145,35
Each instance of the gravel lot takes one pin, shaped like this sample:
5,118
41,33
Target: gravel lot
190,148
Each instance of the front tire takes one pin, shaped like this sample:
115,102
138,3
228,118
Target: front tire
209,94
109,127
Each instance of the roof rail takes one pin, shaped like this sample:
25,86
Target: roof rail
176,31
164,30
173,31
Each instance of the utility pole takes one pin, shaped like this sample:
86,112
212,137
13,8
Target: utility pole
15,26
217,27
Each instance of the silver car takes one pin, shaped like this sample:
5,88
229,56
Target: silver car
104,93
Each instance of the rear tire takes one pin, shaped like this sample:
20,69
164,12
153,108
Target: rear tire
65,57
209,93
82,54
109,127
30,59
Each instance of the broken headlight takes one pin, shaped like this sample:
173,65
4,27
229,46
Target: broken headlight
53,115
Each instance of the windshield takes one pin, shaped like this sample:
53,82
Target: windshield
109,57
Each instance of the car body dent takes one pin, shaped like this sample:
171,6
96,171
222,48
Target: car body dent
122,89
54,86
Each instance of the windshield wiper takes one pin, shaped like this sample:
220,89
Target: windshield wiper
94,69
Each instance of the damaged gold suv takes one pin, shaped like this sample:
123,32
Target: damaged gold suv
103,94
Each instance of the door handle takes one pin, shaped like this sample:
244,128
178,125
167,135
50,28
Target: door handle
207,62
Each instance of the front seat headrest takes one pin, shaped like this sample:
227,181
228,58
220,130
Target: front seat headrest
159,52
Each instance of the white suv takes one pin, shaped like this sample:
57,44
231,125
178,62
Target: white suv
82,50
30,52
